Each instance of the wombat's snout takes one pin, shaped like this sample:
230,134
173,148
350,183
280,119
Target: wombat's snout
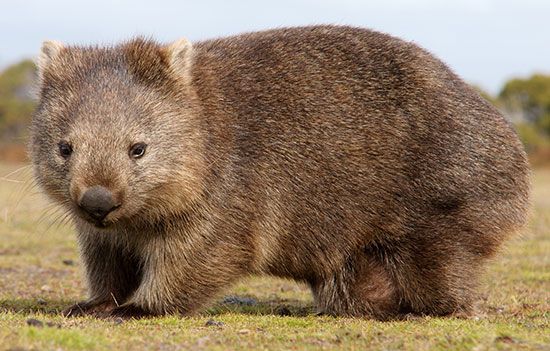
98,202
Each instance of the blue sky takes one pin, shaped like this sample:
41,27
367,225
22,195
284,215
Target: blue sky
484,41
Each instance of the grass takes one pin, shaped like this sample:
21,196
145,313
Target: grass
40,274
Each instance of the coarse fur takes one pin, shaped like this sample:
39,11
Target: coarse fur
340,157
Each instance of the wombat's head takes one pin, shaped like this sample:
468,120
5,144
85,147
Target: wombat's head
115,137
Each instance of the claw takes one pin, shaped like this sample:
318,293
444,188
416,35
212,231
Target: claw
93,308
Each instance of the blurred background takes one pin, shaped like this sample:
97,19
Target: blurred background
500,47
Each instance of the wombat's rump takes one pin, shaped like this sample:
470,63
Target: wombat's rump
341,157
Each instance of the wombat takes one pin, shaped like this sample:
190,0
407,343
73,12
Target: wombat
340,157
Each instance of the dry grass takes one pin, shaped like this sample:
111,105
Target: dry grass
40,274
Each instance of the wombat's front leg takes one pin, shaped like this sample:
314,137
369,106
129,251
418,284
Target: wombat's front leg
181,277
112,276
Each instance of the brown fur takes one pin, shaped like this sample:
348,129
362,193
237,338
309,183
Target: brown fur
341,157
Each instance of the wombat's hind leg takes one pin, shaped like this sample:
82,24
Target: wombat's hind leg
432,276
362,288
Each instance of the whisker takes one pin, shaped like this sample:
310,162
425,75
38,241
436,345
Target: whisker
11,180
14,172
48,213
54,222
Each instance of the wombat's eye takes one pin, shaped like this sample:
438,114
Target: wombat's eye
65,149
137,150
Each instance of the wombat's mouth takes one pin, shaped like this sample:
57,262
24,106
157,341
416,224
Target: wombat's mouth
101,223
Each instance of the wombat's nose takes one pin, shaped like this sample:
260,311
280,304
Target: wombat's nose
98,202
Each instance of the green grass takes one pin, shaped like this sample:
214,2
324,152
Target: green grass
40,274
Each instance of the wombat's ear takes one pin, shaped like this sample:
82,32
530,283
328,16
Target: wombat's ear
180,57
50,49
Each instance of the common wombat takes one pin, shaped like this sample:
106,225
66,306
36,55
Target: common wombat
340,157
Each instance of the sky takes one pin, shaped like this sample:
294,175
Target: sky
485,41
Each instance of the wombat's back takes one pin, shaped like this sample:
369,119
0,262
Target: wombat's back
344,140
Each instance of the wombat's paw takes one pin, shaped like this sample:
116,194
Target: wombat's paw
90,308
130,311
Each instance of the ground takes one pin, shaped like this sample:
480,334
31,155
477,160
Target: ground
40,273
